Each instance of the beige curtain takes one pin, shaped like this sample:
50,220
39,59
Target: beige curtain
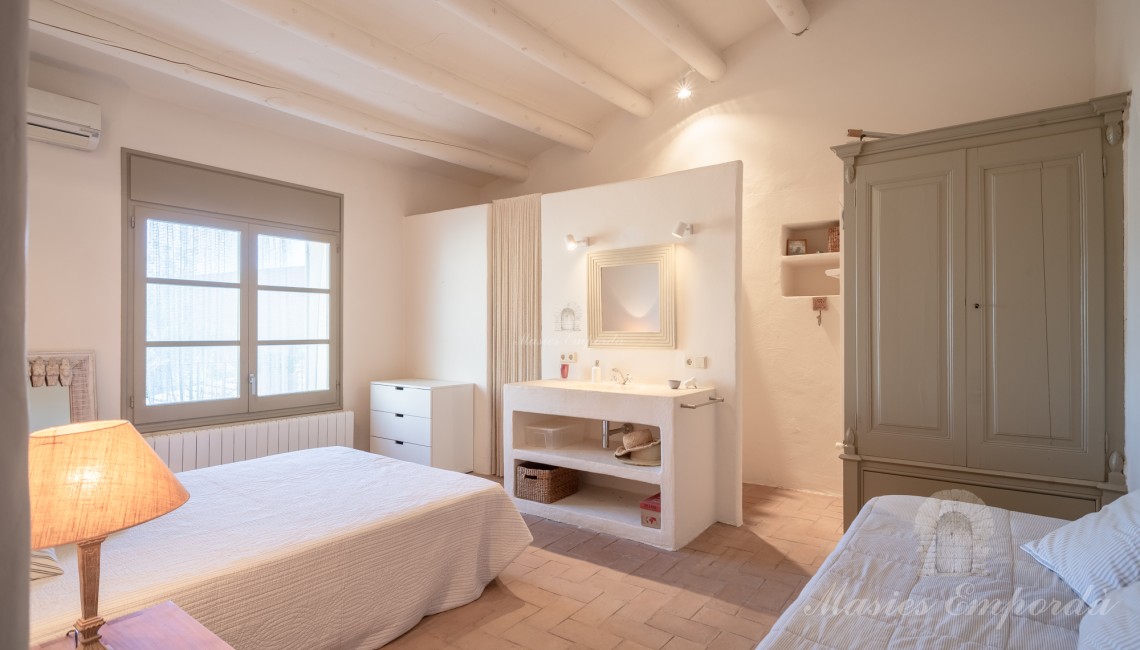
14,533
516,291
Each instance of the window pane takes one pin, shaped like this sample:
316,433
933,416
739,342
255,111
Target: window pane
288,315
181,251
182,313
285,369
192,374
284,262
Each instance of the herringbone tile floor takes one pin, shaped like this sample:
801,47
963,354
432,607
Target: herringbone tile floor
573,588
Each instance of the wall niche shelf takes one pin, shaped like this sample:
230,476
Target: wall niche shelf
816,272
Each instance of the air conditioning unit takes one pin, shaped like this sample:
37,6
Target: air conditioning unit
68,122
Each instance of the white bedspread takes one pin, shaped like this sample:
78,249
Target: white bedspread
322,548
879,561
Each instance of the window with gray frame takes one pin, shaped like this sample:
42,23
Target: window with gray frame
231,295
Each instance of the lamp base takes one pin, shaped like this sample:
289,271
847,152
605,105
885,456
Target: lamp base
87,634
87,627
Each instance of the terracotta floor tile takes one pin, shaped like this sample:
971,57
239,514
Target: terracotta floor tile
528,637
637,632
730,641
587,635
575,588
692,630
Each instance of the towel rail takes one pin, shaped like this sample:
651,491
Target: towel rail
712,400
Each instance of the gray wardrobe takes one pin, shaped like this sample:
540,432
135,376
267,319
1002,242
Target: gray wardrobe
983,304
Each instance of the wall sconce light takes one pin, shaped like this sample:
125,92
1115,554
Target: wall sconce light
682,230
573,242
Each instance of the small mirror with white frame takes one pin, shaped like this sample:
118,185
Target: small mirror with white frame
631,300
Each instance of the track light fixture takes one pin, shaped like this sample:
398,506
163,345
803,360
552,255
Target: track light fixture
685,86
682,230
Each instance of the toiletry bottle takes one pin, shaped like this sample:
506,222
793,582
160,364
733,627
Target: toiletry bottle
596,372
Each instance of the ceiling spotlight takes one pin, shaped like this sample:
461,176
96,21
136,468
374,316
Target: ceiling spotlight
682,230
685,87
573,242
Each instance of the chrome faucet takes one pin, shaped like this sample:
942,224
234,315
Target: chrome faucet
607,432
618,377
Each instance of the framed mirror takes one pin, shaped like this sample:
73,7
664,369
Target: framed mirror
61,388
631,298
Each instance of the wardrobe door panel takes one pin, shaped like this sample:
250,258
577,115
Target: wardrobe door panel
1036,342
910,218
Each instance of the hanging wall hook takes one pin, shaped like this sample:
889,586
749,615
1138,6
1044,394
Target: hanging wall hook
819,304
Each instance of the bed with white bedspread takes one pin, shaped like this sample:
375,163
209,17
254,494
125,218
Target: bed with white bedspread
321,548
882,588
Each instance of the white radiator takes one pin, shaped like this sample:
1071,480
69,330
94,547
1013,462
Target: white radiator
186,450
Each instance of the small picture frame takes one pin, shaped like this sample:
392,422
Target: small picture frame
797,247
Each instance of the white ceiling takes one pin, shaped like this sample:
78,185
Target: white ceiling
227,40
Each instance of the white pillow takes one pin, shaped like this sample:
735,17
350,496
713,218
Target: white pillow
1097,553
45,564
1115,624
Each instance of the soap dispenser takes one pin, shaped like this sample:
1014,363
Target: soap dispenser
596,372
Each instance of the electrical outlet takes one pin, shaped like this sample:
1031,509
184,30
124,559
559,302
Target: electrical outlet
697,362
569,357
819,304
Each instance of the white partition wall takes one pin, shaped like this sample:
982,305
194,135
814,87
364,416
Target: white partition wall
445,306
641,213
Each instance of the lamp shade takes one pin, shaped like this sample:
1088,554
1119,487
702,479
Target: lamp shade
91,479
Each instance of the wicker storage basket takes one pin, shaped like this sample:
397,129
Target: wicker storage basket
544,483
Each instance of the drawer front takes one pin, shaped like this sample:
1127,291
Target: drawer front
398,399
401,451
405,428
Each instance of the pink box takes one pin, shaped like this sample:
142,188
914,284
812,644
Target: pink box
651,511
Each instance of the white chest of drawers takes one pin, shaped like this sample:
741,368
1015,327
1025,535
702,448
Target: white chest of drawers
423,421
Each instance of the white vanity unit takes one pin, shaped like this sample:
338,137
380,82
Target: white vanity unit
610,491
423,421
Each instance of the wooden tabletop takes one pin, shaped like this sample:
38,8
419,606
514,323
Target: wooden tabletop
163,626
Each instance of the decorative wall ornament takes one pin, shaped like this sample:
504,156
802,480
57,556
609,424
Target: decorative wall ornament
38,372
1113,133
569,318
76,370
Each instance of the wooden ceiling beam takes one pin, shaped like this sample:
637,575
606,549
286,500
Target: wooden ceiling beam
677,35
498,21
94,31
348,40
793,14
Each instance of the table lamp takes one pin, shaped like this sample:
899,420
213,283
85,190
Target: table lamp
87,481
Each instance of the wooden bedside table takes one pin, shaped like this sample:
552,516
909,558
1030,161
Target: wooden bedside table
163,626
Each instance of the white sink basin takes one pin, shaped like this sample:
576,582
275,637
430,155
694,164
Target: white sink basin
649,390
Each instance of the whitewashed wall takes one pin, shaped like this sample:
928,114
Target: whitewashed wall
74,289
445,307
884,65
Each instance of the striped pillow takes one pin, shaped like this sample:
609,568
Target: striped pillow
45,564
1115,625
1097,553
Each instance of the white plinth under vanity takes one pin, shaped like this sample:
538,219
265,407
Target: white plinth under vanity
610,491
